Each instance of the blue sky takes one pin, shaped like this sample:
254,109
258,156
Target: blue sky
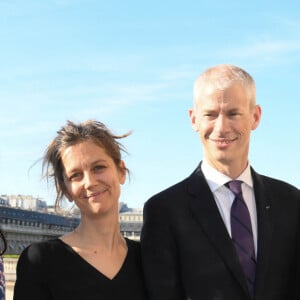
131,65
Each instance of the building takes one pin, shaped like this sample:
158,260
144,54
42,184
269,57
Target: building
23,227
24,202
37,223
131,223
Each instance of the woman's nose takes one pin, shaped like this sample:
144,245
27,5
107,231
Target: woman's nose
89,180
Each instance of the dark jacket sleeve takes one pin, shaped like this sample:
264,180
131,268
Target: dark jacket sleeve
159,256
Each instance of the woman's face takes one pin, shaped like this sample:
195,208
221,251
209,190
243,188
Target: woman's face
92,179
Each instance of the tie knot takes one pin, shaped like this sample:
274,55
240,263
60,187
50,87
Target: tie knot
235,186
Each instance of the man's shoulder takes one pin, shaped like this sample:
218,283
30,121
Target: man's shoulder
275,184
177,190
169,192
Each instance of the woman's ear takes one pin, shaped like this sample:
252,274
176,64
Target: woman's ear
64,190
122,172
68,196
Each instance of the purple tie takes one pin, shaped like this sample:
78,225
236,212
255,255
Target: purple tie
241,232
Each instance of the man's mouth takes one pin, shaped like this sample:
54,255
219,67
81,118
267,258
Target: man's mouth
222,141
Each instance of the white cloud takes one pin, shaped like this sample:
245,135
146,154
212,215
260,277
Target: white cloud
268,51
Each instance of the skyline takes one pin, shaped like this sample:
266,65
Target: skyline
132,66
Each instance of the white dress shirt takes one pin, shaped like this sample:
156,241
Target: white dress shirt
224,196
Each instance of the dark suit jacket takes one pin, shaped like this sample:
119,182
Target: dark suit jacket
188,253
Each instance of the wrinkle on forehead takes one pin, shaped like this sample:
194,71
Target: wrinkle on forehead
235,94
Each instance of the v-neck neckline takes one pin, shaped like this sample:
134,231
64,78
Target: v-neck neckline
84,261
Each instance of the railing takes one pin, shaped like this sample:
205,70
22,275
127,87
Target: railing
10,265
33,230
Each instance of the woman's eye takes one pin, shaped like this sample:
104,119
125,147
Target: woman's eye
74,176
99,168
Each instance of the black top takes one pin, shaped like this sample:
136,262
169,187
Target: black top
53,270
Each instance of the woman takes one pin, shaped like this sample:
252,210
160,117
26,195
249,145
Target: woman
2,278
94,261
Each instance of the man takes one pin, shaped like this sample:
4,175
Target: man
194,233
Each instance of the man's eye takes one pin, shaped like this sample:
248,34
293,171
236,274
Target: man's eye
209,115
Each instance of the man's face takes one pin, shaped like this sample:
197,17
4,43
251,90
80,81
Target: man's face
224,120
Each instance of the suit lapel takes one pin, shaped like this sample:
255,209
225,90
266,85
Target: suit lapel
204,209
264,230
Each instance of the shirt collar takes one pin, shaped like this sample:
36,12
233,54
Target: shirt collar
216,179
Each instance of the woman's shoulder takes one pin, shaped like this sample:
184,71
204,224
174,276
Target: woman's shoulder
38,251
132,243
51,245
134,247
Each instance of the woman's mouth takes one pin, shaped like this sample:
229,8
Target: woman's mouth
94,195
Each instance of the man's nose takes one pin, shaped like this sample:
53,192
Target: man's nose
221,123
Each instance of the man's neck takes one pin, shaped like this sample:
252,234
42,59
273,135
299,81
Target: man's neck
233,171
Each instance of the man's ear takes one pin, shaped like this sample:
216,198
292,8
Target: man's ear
256,117
193,119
